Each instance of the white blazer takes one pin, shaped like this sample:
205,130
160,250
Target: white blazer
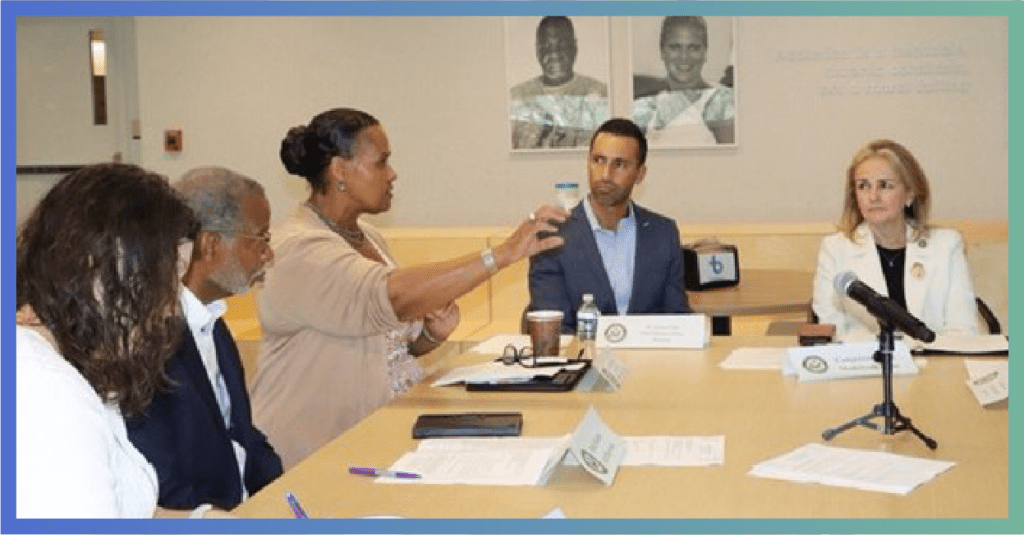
936,281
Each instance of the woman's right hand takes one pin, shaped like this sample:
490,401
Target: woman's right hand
525,242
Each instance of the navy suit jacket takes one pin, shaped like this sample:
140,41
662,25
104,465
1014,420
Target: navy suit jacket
560,277
184,437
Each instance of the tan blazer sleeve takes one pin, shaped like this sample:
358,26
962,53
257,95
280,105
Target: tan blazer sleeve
320,282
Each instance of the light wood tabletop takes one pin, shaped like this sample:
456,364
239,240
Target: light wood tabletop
760,291
762,414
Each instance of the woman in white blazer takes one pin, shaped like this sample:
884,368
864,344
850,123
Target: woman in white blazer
884,238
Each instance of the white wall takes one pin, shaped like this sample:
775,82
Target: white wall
54,85
236,84
54,88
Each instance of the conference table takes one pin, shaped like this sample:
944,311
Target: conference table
759,292
761,413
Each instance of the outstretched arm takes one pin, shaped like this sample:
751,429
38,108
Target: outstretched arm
416,291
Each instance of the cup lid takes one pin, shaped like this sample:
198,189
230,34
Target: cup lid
544,314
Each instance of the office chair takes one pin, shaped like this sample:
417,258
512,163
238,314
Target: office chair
990,319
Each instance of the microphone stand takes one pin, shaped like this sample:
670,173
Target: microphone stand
893,420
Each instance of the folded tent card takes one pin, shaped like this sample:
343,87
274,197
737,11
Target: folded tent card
841,361
989,380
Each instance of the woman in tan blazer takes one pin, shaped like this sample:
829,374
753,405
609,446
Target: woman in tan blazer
341,321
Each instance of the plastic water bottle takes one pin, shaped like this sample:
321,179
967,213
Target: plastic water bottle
586,326
567,194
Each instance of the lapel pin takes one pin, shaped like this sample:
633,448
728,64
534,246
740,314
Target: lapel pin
917,270
922,243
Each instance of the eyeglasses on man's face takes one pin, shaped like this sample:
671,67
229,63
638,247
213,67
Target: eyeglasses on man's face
263,237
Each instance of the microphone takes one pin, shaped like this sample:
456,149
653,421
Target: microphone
882,307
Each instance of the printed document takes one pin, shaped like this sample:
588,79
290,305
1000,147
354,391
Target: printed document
840,467
674,451
505,466
989,380
640,451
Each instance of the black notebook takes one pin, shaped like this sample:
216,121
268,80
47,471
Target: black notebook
562,381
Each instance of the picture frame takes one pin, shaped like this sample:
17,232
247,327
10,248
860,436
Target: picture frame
559,106
673,115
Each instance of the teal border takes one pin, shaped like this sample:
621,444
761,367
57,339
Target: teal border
9,9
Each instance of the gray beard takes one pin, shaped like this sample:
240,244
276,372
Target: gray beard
232,278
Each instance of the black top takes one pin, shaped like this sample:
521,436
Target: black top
893,261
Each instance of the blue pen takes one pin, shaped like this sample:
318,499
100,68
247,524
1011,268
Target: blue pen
365,471
294,503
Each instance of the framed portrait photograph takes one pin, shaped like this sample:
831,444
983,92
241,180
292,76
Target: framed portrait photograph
558,74
684,87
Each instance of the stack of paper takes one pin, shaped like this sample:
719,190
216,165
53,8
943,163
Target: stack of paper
640,451
530,461
499,373
506,461
864,470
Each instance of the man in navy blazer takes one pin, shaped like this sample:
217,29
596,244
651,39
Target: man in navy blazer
628,257
198,433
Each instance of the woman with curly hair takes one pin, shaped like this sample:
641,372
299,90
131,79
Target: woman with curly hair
98,275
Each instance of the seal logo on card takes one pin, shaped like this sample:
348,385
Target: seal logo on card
615,333
815,364
593,463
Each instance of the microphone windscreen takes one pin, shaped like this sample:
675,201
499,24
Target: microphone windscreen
844,280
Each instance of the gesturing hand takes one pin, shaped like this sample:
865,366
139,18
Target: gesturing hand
442,322
537,233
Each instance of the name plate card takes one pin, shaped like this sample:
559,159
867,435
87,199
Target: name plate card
597,448
654,331
607,372
841,361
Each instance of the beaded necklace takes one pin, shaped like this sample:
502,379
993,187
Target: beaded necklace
355,237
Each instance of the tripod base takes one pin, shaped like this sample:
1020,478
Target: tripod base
894,422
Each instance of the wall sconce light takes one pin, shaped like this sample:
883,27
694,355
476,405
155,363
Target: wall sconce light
98,67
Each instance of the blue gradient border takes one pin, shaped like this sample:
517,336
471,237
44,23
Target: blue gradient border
12,9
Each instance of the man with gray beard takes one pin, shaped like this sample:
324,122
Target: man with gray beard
198,433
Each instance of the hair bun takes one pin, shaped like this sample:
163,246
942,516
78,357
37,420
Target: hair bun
296,151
